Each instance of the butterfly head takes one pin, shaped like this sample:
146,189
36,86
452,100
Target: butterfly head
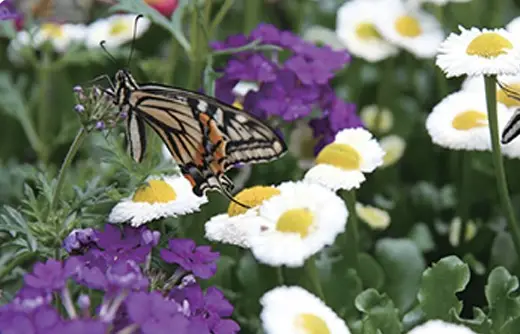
124,84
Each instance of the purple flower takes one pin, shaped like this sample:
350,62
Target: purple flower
155,314
81,326
201,261
29,298
51,275
287,99
40,320
255,68
309,72
126,275
234,41
129,244
100,125
267,33
79,239
79,108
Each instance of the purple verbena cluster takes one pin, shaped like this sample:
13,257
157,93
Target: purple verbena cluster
113,267
290,88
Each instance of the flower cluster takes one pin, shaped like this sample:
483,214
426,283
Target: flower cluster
107,266
94,108
375,29
288,86
115,30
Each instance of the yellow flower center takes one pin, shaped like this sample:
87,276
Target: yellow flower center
502,97
118,27
237,104
340,155
295,221
251,197
469,119
488,45
311,324
52,30
155,191
367,31
374,217
408,26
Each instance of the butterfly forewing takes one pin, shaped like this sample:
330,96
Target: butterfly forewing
512,128
205,136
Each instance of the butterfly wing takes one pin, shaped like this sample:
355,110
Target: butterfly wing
135,136
512,128
205,136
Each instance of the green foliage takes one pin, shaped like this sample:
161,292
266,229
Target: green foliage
501,295
379,313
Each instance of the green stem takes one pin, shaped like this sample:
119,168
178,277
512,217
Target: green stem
464,196
279,276
352,233
73,149
497,160
199,49
174,56
44,114
384,91
16,262
314,278
221,14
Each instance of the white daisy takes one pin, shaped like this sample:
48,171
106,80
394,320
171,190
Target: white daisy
60,36
476,83
460,122
476,52
394,147
514,26
411,28
341,164
356,29
160,197
235,226
372,114
115,30
299,222
292,310
439,326
375,218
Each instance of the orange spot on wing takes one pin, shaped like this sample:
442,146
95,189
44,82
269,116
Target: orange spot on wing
190,179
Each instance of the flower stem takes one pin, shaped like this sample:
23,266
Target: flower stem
352,233
314,278
500,174
44,114
174,56
73,149
279,275
464,196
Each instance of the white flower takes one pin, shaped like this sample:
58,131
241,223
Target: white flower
377,119
356,28
243,87
294,310
61,36
115,30
476,52
512,82
411,28
394,147
299,222
375,218
460,122
514,26
439,326
341,164
160,197
235,226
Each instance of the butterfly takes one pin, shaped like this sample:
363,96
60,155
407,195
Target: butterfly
205,136
512,128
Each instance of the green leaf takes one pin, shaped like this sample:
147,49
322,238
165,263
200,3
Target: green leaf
380,314
174,26
340,289
439,285
403,265
503,244
421,235
503,306
480,323
371,273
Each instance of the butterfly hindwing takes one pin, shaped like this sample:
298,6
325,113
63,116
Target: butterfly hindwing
135,136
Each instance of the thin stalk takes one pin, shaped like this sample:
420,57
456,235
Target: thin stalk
279,276
221,14
314,278
464,196
73,149
169,74
352,232
500,174
44,115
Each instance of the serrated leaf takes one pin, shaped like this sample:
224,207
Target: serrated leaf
380,314
403,265
439,285
174,26
371,273
480,323
503,306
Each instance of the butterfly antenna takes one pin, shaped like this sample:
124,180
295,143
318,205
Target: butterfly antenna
102,45
132,47
229,196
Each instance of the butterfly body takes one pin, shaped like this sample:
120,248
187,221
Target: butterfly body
205,136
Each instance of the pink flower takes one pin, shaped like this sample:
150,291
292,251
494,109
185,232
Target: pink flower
165,7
